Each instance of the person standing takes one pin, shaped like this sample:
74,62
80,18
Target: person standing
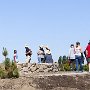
41,55
71,57
48,55
78,51
88,54
15,56
28,54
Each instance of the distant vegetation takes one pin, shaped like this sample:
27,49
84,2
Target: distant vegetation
64,64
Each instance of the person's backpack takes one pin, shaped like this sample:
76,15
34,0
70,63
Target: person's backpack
85,53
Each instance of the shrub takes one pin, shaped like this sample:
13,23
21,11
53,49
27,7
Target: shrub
16,73
67,67
13,65
85,68
2,73
10,71
15,70
7,63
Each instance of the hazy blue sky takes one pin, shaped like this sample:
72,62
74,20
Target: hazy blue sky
56,23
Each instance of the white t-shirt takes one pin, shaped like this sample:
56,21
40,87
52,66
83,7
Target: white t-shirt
78,51
41,54
71,53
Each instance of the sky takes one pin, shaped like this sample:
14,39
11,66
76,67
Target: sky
56,23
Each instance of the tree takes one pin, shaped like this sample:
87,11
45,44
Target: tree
64,58
60,60
5,52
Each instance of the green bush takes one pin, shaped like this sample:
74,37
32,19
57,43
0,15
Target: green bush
15,70
61,67
85,68
16,73
7,63
13,65
10,71
2,73
67,67
64,64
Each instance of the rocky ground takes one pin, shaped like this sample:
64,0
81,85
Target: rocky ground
60,81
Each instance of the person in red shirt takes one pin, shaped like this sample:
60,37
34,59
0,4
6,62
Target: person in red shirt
88,54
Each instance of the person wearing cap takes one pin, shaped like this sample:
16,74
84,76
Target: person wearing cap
48,55
41,55
88,54
71,57
78,58
28,54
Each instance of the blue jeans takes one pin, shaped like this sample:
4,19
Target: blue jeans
39,59
78,62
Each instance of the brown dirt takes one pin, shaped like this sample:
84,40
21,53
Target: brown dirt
47,82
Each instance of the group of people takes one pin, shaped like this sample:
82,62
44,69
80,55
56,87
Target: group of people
76,56
28,54
44,54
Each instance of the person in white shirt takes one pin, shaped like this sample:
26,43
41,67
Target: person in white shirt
78,59
41,55
71,57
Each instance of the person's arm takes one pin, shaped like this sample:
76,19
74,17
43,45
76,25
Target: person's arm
69,54
80,49
86,50
28,52
38,53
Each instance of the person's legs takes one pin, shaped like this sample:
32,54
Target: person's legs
42,60
76,60
88,60
73,64
28,58
80,63
39,59
89,67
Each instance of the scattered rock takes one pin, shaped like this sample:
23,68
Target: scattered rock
38,68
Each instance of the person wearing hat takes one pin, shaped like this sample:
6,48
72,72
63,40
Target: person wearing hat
88,54
78,58
41,55
28,54
48,55
71,57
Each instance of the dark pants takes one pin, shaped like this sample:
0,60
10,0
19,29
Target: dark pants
72,64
